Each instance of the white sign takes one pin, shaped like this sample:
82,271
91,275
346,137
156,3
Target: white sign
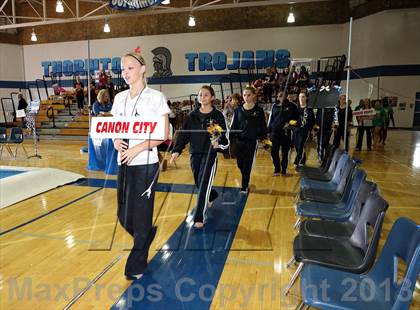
365,112
20,113
34,106
128,128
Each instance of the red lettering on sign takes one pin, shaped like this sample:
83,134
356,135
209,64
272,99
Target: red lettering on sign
153,126
98,127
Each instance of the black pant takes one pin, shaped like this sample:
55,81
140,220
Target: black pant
284,140
300,136
268,92
323,141
384,132
245,154
360,133
135,211
204,169
339,135
80,102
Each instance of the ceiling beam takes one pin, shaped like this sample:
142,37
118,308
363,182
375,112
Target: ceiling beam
3,5
172,10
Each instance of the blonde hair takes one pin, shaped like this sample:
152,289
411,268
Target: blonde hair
137,56
101,95
251,88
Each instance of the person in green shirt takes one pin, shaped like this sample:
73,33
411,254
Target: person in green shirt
389,116
378,122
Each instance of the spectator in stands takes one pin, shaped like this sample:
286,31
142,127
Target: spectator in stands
102,105
286,78
103,79
293,76
22,105
340,124
93,93
111,89
230,107
268,86
80,94
172,114
303,77
58,90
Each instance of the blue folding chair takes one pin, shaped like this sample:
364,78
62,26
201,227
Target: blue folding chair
16,137
355,194
4,142
378,289
326,171
334,211
329,194
306,182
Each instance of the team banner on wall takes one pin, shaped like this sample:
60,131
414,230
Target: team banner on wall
133,4
150,128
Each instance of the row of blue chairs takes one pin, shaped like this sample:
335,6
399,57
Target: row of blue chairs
15,138
340,217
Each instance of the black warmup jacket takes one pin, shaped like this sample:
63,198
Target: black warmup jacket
281,115
248,124
194,132
308,119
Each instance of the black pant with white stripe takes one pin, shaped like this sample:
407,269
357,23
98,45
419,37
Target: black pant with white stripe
204,169
245,154
135,211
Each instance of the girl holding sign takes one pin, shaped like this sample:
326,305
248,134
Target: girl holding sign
138,162
205,131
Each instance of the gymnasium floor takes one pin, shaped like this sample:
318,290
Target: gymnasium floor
60,242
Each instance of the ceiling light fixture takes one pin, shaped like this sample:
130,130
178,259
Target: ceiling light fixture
33,36
59,8
191,21
291,17
106,27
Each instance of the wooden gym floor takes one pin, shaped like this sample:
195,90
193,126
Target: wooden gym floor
62,241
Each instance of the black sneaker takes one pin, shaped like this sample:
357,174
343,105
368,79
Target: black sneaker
244,190
133,277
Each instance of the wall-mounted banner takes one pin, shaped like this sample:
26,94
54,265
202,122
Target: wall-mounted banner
259,59
162,62
133,4
80,66
151,128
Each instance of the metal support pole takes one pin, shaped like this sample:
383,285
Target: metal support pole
14,11
44,9
348,85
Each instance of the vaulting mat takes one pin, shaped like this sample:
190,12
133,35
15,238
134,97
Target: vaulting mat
20,183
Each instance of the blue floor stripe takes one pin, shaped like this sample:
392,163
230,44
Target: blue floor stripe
48,213
184,274
9,173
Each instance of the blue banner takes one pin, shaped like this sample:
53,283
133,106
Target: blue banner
133,4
